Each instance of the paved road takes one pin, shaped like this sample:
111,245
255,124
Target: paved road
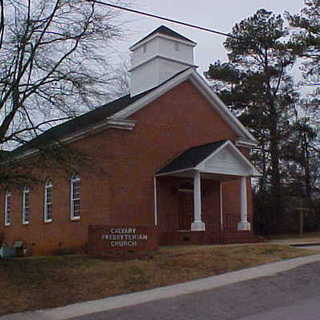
307,309
293,295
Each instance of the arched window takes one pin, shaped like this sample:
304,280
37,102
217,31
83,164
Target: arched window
7,208
75,197
25,205
48,201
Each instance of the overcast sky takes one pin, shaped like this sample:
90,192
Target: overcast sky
218,15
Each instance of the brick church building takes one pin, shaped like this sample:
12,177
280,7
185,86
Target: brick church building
170,155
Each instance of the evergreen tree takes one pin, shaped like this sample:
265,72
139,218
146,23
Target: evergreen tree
256,84
301,159
306,39
305,42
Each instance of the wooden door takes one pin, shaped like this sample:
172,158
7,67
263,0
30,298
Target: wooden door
185,214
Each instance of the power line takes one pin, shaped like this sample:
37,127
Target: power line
164,18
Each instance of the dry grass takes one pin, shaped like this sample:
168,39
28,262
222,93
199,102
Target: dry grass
43,282
296,236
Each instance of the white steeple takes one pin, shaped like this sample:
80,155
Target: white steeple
157,57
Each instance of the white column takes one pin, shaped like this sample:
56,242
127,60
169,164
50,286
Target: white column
221,205
244,225
155,201
197,224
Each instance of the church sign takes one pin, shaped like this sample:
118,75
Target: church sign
121,241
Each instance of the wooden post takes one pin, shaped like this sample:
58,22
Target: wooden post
301,216
301,222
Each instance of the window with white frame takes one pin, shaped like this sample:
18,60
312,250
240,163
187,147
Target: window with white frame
25,205
48,201
75,197
7,208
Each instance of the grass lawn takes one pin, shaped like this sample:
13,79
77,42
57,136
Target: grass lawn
295,236
43,282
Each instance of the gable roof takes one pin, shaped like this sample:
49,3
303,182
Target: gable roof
79,123
191,157
205,158
122,108
164,31
245,137
82,122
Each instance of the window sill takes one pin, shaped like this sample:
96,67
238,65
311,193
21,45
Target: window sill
75,219
25,223
48,221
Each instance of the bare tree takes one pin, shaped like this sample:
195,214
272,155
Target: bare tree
53,62
121,82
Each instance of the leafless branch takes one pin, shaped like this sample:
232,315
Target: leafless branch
52,61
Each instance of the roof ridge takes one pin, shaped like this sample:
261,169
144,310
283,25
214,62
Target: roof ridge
191,157
165,31
86,119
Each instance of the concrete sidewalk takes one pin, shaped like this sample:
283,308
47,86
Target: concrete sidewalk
84,308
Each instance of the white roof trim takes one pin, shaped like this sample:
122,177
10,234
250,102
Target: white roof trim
107,124
245,144
161,57
174,172
222,109
201,166
161,35
241,157
202,86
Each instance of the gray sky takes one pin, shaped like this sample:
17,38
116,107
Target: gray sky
218,15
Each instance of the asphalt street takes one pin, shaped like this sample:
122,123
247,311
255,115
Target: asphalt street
293,295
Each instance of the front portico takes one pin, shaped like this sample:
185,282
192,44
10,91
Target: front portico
204,169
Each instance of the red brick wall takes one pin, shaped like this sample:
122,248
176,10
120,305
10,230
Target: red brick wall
118,187
121,241
169,200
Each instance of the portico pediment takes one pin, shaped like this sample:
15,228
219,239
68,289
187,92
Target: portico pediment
227,160
219,158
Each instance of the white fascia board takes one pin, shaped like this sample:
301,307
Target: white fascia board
122,124
201,167
245,144
254,171
202,86
161,57
26,154
222,109
147,99
169,173
201,164
157,35
108,123
229,173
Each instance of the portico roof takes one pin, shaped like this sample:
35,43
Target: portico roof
220,157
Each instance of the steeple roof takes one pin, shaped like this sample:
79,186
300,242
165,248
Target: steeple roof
167,32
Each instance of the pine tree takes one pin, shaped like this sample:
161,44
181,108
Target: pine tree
306,38
256,84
